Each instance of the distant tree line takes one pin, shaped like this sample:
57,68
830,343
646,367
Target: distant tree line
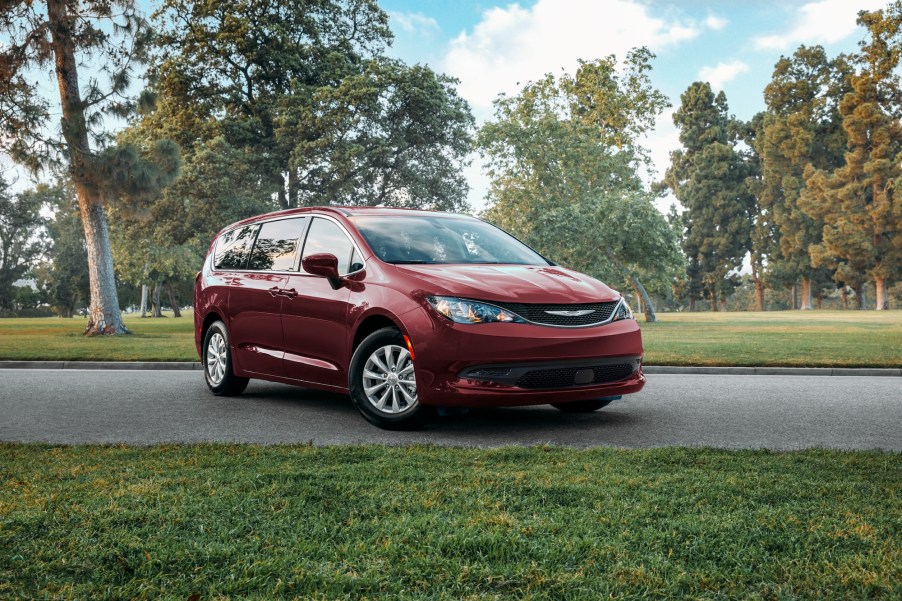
253,106
806,189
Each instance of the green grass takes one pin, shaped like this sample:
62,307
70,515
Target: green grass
816,339
230,521
54,339
794,338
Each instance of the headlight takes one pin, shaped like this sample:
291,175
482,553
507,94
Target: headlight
623,311
460,310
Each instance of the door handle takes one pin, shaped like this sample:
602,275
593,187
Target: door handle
289,293
275,291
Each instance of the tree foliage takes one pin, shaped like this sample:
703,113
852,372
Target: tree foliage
709,178
563,158
856,201
22,238
303,90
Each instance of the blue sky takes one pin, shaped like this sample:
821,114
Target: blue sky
490,46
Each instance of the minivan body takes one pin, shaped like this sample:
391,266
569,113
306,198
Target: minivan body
408,311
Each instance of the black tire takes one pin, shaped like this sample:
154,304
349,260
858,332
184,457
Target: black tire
412,417
229,384
582,406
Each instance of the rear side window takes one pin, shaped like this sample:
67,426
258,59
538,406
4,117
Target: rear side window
326,237
277,244
233,247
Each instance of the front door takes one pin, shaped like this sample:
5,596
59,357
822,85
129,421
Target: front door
315,316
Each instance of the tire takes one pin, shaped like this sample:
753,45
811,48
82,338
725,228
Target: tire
386,398
217,362
582,406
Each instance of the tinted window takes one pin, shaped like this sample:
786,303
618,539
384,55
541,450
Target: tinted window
442,239
277,244
233,247
326,237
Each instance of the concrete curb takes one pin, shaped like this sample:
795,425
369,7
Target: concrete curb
649,369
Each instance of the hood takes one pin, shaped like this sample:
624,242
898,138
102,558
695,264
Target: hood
534,284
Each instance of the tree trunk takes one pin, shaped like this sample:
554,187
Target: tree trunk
759,293
173,301
819,301
712,298
143,300
805,301
104,316
156,309
845,297
643,295
691,303
793,297
859,296
880,291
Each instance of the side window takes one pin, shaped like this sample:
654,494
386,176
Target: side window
233,247
326,237
277,244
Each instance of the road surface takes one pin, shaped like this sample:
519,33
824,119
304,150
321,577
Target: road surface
726,411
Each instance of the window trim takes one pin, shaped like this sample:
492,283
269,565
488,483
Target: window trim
299,251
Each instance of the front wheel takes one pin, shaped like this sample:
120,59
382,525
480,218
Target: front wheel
218,362
582,406
382,382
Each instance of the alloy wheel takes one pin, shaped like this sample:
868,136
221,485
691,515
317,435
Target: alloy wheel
389,382
216,358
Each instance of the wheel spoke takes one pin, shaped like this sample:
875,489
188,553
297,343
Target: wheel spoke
394,399
381,403
378,386
407,396
378,362
373,375
388,357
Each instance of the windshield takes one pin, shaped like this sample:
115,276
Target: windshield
430,238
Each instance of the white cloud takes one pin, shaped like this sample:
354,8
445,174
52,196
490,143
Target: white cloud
513,45
722,73
414,22
714,22
820,22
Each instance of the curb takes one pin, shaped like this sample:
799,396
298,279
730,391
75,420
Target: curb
649,369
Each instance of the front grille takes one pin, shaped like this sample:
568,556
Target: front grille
565,377
537,313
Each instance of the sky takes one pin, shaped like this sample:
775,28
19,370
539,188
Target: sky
495,47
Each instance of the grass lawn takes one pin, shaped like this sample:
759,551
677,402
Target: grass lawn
816,338
212,522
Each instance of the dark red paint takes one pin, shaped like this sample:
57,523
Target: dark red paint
301,328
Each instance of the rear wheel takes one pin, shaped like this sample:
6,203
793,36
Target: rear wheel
218,362
382,382
582,406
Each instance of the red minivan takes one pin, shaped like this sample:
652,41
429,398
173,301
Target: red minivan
408,311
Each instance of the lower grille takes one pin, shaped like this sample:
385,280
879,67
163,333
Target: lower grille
566,377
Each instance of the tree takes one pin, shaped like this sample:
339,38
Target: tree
563,158
856,201
22,239
60,36
709,177
304,92
802,127
63,276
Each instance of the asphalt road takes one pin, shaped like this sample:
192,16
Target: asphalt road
146,407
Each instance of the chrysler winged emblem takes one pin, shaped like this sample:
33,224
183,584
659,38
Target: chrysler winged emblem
576,313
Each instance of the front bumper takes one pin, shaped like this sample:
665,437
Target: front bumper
462,365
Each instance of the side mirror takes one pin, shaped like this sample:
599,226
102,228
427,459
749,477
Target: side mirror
321,264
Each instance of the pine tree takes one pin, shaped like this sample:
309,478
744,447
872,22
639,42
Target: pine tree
57,38
802,127
708,176
856,201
